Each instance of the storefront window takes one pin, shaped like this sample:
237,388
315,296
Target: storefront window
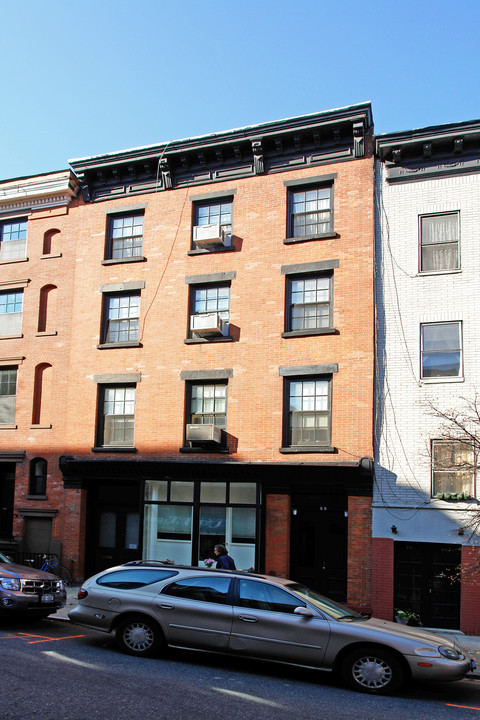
184,520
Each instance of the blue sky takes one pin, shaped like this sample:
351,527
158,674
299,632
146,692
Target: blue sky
97,76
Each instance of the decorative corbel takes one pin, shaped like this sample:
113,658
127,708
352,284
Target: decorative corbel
297,141
458,145
237,152
358,140
166,173
279,145
397,155
258,156
427,150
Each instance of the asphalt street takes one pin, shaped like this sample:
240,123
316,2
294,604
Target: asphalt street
57,671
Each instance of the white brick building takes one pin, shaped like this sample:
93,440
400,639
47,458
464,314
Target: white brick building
428,294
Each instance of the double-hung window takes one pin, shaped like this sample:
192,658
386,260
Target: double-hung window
441,350
210,311
125,236
453,468
439,242
308,408
309,302
121,318
310,208
13,240
8,395
11,306
212,222
117,416
208,404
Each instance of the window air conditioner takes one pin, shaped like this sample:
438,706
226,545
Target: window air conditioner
208,237
208,433
208,325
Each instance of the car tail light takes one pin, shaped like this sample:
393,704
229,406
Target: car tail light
82,593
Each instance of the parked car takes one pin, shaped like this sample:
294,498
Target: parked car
150,605
28,592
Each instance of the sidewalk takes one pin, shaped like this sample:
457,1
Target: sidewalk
469,643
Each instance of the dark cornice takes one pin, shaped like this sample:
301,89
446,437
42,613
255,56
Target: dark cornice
429,152
306,141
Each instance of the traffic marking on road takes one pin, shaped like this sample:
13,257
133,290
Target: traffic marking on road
48,639
464,707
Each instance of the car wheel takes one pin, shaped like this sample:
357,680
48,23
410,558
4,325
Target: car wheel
139,636
372,670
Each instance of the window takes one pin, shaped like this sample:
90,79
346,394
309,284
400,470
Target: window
261,596
210,311
8,395
202,589
38,477
310,210
453,468
309,302
441,350
439,242
11,305
134,578
121,318
125,236
208,404
13,240
308,416
117,421
217,212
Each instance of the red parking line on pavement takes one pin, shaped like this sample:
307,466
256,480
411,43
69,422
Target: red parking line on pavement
48,639
465,707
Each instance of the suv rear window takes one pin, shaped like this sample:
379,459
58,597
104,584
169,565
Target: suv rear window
135,578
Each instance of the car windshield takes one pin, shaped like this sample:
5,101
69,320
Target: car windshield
4,558
329,607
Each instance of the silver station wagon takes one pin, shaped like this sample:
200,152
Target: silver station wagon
151,605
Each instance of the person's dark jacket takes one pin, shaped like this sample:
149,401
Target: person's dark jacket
225,562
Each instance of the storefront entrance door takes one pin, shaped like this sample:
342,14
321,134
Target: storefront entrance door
319,545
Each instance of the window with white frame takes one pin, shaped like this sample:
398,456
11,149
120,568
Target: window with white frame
8,395
121,317
441,350
13,239
116,422
439,242
125,236
453,468
308,412
310,210
309,302
11,306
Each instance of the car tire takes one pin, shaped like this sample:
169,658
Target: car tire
373,670
139,635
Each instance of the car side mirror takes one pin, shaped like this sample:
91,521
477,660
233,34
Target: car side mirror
303,611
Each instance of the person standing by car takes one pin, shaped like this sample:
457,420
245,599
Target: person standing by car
224,561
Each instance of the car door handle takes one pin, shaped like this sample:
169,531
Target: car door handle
248,618
166,606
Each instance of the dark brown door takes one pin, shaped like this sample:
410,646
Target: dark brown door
319,545
427,582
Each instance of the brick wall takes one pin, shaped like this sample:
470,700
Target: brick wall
277,540
359,552
382,577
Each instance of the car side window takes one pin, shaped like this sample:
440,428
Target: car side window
135,578
202,589
262,596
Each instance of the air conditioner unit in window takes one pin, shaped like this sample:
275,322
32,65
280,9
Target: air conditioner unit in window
208,237
208,325
208,433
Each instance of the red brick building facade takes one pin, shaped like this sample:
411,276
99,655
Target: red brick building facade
196,359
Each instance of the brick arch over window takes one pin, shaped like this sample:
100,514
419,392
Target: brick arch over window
42,394
51,241
47,312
